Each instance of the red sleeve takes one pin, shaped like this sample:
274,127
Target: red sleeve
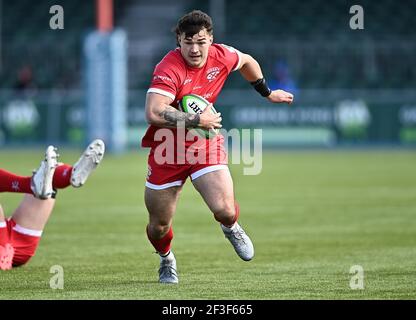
230,56
165,79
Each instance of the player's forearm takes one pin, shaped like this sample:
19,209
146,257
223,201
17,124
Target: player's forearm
250,70
171,118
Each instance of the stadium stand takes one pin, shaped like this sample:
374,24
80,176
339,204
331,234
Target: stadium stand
315,39
53,55
312,37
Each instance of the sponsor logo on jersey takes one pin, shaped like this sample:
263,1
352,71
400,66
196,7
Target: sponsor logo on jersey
163,78
207,95
212,73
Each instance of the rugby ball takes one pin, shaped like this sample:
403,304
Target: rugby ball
195,104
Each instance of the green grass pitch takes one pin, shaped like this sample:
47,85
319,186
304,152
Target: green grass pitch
311,215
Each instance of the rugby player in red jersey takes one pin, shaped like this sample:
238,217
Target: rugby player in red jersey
197,66
21,233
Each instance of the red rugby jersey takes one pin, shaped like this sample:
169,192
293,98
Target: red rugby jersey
173,78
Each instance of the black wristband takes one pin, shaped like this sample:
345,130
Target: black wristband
262,87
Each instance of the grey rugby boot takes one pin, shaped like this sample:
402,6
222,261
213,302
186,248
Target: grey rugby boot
240,241
167,270
88,161
41,182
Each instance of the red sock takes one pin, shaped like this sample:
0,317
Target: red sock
161,245
10,182
62,176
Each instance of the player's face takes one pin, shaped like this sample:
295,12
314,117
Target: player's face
195,49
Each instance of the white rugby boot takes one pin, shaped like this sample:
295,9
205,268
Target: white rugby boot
41,182
88,161
167,270
240,241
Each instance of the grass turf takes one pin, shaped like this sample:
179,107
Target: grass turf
311,215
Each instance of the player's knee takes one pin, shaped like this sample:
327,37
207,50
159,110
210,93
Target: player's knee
158,231
224,213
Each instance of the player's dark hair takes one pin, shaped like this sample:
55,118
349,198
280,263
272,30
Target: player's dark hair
193,22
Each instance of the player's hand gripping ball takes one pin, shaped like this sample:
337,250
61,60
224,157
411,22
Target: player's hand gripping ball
195,104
